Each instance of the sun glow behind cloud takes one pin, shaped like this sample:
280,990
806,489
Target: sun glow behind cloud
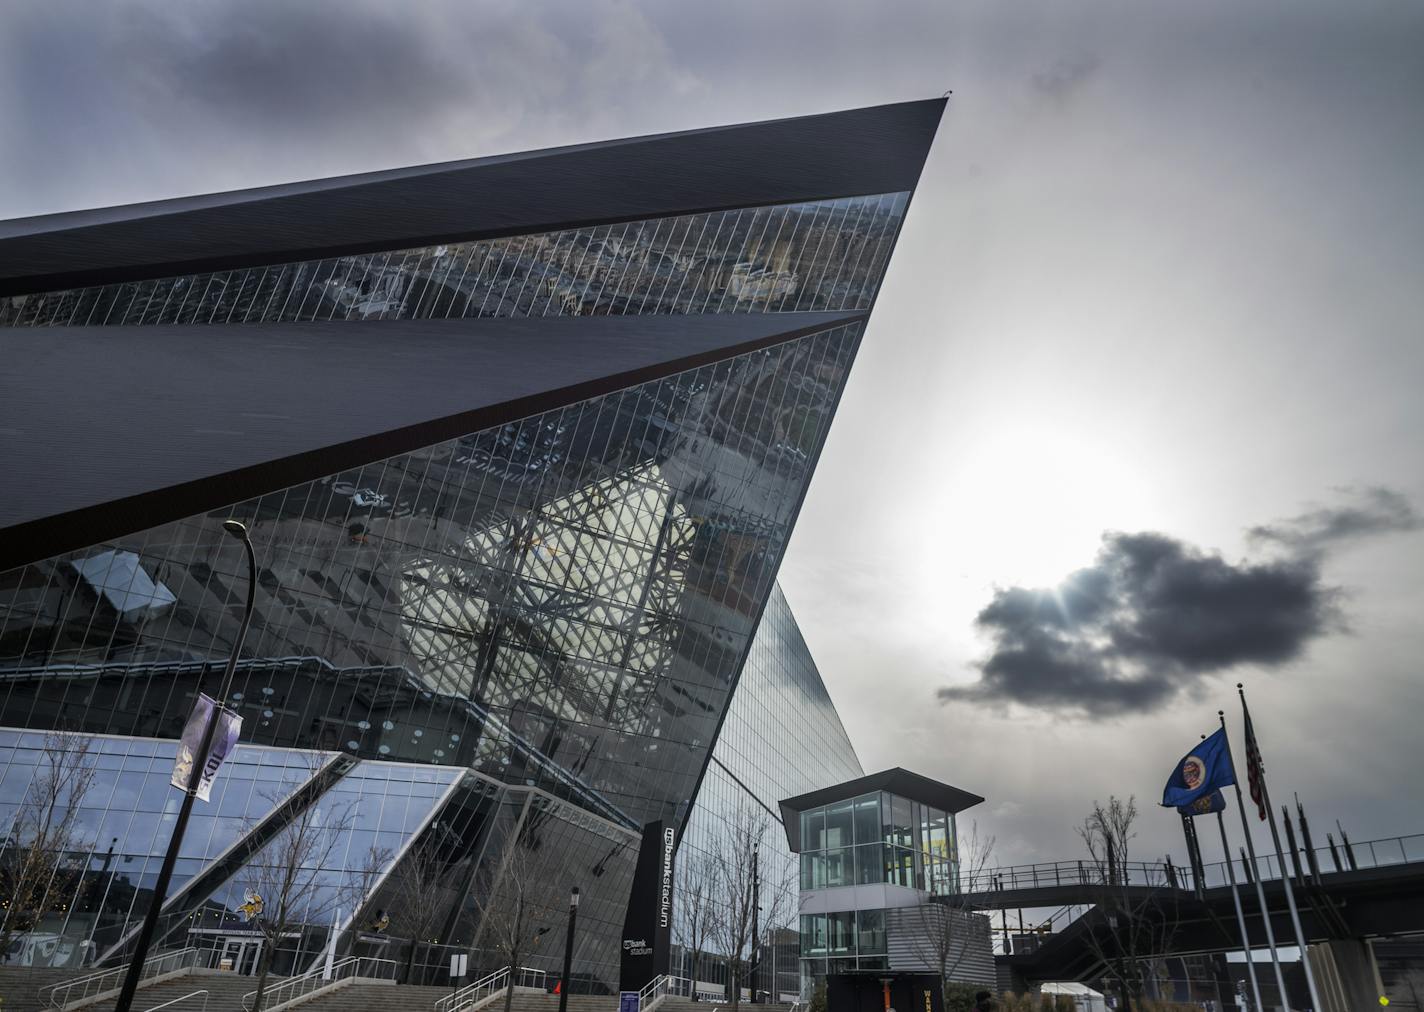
1042,499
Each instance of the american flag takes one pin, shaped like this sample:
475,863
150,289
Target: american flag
1256,774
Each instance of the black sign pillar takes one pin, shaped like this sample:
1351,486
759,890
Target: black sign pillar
647,927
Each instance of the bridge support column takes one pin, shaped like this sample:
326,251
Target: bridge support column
1347,974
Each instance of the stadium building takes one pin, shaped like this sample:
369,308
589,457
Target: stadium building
519,442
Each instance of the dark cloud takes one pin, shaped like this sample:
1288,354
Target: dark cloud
1146,621
1153,615
1379,511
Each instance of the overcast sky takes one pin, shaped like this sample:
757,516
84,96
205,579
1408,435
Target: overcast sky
1138,414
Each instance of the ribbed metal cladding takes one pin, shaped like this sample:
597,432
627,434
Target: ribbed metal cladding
909,931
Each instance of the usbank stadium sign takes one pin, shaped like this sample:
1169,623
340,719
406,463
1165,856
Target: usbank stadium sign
647,927
665,899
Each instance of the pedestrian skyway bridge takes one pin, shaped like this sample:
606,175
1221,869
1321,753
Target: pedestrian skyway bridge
1346,895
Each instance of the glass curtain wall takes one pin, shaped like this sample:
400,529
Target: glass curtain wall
782,737
879,838
559,605
825,255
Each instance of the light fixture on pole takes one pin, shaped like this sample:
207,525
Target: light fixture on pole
195,778
568,950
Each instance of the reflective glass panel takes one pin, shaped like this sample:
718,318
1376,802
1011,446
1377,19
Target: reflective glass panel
838,824
824,255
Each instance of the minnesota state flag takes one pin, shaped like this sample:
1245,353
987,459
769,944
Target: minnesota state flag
1204,805
1204,769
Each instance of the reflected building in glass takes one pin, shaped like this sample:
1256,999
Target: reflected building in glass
520,442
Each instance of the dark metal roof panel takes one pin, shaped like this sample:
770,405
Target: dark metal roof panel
859,151
109,430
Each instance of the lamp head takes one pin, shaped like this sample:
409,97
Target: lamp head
236,528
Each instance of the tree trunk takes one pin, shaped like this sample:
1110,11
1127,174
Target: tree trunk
409,962
509,984
696,965
734,973
264,964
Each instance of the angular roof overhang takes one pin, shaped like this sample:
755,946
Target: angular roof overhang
840,154
245,410
900,782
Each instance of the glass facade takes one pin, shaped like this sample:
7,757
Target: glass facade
825,255
781,737
879,839
502,653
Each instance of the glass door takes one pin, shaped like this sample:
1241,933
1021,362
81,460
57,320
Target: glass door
241,954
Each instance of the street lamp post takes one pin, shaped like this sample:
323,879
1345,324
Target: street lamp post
200,762
568,951
756,911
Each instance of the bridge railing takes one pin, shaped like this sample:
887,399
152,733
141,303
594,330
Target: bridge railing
1336,856
1071,873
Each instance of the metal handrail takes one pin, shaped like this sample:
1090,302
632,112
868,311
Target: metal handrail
313,980
493,983
457,1000
108,980
175,1001
654,991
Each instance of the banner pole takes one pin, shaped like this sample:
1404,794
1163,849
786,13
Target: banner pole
1280,855
1256,874
1240,914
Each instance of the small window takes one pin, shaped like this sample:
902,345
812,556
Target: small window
813,829
870,864
870,937
838,824
867,819
839,871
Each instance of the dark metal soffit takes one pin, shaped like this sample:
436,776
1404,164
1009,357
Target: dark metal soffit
109,430
853,152
899,782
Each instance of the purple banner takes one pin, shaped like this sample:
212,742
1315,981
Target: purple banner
224,741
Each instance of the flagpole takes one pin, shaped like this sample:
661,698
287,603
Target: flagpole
1256,874
1240,914
1280,855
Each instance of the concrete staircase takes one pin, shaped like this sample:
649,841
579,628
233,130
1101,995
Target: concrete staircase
533,1001
362,996
20,985
225,990
372,994
673,1003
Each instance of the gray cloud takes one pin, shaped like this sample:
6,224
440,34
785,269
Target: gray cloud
217,94
1379,511
1065,76
1153,615
1145,622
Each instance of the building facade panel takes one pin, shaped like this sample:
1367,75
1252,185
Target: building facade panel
781,737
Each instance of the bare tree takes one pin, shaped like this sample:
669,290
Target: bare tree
742,853
420,894
947,925
1138,905
695,918
512,920
46,853
295,879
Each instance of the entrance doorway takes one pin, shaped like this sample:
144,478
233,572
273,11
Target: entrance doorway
241,954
